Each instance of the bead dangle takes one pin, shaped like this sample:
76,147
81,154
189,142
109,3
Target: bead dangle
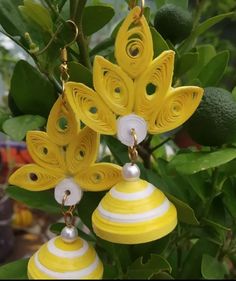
65,159
66,256
134,211
133,97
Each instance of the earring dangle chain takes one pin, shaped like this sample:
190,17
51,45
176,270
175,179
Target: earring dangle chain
132,150
68,214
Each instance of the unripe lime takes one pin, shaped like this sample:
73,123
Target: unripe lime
173,23
214,121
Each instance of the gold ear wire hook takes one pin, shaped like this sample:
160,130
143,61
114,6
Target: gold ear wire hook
76,33
132,4
56,33
64,77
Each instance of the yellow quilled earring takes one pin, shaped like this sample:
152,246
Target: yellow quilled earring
131,98
134,211
64,159
136,92
66,256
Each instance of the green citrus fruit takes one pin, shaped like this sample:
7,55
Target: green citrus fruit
214,121
173,23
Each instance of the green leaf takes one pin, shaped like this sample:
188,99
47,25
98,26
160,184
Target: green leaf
217,214
229,169
159,3
139,270
192,263
191,163
205,54
80,73
210,233
118,150
17,127
146,13
198,184
42,200
185,63
234,93
155,247
116,29
95,17
204,26
14,270
37,13
201,28
31,91
229,195
174,183
13,107
184,212
3,117
10,18
87,205
119,253
215,224
159,43
211,268
162,276
56,228
181,3
110,272
213,71
103,47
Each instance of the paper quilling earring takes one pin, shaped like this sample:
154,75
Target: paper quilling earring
134,211
132,98
64,159
66,256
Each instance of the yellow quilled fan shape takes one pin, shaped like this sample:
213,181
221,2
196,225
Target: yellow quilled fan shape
64,152
137,84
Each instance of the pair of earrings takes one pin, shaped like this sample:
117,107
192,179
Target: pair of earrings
133,211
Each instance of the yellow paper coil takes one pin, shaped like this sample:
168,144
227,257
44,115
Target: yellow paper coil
60,260
55,161
136,84
134,212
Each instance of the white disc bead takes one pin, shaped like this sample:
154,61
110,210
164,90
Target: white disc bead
130,172
74,190
128,122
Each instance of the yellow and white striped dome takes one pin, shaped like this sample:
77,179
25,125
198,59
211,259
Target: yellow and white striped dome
60,260
134,212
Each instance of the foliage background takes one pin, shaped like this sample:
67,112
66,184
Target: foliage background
200,182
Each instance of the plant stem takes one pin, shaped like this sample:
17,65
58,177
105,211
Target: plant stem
118,264
216,189
160,144
145,155
144,152
199,9
52,8
77,8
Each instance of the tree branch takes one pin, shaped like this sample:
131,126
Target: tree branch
77,9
